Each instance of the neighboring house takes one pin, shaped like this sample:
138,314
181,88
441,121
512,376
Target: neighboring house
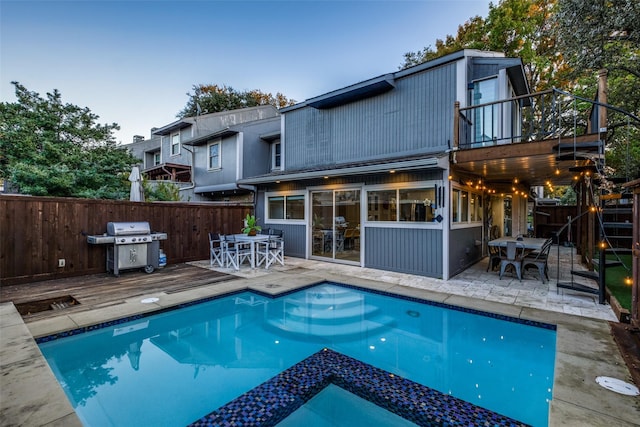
207,155
370,174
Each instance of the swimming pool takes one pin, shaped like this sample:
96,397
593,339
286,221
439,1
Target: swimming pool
175,367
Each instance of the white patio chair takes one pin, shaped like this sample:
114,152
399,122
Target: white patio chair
271,250
236,252
216,250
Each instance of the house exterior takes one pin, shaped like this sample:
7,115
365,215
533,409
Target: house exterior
207,155
367,174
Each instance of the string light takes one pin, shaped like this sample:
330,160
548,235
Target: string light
628,281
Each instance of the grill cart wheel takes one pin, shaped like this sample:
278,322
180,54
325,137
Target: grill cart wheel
149,269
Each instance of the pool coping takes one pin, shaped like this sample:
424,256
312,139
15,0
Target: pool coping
584,350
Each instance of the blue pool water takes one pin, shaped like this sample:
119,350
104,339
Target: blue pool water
175,367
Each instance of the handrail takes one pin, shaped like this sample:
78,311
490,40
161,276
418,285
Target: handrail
515,98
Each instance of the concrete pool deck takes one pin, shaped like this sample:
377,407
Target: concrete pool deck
30,394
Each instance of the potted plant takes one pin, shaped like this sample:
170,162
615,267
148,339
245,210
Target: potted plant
251,226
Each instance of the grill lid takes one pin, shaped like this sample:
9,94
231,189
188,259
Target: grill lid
128,228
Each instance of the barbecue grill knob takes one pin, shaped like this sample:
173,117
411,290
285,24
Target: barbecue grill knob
133,239
122,240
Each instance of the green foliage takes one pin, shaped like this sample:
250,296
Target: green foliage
615,280
49,148
160,191
251,224
517,28
212,98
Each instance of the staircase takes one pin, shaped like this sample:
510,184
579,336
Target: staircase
330,312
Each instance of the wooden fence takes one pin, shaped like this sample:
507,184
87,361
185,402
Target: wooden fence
37,232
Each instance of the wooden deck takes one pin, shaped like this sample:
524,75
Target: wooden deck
101,290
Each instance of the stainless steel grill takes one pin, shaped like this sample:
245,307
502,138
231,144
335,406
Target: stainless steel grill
132,245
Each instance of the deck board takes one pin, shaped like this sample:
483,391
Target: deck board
105,289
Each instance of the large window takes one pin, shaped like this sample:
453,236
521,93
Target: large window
466,206
285,207
213,151
402,205
175,144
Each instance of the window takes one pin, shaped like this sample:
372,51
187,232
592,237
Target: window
486,118
175,144
156,158
276,157
285,207
466,206
213,152
402,205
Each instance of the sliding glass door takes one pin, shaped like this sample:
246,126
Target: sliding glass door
335,226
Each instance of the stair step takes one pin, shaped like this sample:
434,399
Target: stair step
345,330
618,224
593,275
578,287
328,314
594,145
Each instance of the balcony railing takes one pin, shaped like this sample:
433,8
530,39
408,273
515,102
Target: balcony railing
527,118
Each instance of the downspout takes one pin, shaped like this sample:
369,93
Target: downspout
191,180
254,192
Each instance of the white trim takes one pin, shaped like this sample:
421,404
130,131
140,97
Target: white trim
446,228
282,141
239,155
285,194
219,166
171,136
404,224
468,223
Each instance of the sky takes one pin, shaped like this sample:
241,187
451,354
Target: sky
135,62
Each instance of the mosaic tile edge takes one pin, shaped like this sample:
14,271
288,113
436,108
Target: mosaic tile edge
277,398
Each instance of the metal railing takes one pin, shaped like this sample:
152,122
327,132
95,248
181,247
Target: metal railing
526,118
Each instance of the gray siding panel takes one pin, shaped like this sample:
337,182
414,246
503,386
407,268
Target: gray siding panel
463,251
405,250
414,118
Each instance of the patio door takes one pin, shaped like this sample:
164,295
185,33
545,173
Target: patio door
335,226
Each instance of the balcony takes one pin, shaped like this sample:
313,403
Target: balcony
537,138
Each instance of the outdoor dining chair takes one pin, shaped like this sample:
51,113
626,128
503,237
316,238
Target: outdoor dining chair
216,250
495,255
539,260
271,250
236,252
512,257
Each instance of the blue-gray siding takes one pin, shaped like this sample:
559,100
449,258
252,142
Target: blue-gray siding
414,118
405,250
463,251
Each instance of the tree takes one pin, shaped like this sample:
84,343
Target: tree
605,34
212,98
517,28
49,148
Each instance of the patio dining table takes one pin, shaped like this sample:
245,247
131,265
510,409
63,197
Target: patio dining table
529,243
252,240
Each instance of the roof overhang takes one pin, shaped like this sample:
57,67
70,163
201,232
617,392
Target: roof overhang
169,171
217,188
363,169
201,140
353,93
270,137
172,127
